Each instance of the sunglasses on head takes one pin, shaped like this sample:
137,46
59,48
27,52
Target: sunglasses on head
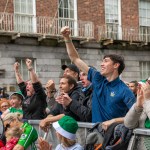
7,126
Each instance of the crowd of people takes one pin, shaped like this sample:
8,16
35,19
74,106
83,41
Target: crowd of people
84,94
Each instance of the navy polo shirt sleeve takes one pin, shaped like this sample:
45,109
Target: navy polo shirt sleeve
93,74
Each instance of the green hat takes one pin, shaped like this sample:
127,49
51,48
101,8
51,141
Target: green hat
17,93
67,127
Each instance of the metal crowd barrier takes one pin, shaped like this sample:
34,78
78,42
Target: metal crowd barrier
82,133
51,136
139,133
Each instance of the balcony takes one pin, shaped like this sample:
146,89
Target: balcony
47,26
126,34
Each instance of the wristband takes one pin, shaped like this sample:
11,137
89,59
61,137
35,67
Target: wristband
68,41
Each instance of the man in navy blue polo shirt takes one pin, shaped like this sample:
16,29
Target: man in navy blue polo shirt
111,97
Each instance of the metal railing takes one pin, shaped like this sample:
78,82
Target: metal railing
51,136
116,32
44,25
82,134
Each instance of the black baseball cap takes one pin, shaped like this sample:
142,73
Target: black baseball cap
71,67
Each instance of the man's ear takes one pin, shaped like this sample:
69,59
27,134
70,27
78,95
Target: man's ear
76,75
71,86
116,65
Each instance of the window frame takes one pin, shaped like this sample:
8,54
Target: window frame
143,23
144,69
25,21
113,28
68,21
23,67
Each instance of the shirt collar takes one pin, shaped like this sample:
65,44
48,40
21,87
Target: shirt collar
114,82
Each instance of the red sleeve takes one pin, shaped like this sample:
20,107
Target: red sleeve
1,144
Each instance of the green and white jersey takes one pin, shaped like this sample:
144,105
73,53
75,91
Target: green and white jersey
28,137
13,110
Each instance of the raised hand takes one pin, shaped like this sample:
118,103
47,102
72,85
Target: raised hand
146,90
65,31
16,66
50,88
29,63
140,97
50,85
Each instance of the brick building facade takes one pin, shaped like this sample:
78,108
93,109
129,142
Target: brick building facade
31,29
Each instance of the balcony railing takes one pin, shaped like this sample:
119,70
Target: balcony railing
116,32
44,25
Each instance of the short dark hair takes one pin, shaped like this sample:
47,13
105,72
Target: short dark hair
70,79
117,59
135,82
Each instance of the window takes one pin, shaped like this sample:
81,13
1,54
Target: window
68,14
111,11
144,69
23,68
112,18
144,20
24,20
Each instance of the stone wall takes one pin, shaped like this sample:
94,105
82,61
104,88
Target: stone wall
48,58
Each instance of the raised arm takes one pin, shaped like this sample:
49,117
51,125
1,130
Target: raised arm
50,88
73,54
33,75
131,119
17,73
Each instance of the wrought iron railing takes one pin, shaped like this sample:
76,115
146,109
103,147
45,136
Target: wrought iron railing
44,25
116,32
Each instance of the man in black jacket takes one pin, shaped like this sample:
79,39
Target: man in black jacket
78,109
68,86
81,108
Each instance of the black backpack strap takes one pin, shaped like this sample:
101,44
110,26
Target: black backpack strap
109,135
120,138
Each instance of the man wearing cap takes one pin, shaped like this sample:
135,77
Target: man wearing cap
71,70
16,99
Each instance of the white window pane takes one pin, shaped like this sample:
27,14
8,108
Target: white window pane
111,11
60,12
71,4
144,12
71,13
65,3
66,13
24,18
67,9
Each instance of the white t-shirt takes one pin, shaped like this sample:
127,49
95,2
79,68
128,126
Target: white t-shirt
74,147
